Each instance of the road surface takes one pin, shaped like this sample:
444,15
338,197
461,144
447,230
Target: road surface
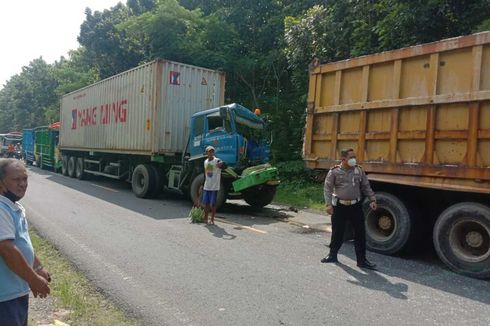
246,270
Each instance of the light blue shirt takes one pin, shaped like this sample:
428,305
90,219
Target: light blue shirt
13,226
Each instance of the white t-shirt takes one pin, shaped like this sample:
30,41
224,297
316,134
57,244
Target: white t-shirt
212,173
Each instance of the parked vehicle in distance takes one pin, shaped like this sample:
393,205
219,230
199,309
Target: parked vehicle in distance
11,144
150,126
419,120
46,147
28,139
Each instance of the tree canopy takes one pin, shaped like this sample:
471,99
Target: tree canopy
264,47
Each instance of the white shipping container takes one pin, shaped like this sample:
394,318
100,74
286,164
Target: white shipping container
145,110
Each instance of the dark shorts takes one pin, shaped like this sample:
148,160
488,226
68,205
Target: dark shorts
209,197
14,312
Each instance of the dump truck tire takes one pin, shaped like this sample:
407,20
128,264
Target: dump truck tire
388,229
72,162
461,238
143,181
260,196
196,191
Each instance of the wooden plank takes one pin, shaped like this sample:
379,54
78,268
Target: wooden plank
433,182
322,137
394,135
365,84
451,134
348,136
412,134
484,134
477,54
433,74
397,72
400,54
438,171
418,101
361,144
334,133
378,135
338,84
472,134
310,112
429,138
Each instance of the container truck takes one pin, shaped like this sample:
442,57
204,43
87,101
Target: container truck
150,126
419,120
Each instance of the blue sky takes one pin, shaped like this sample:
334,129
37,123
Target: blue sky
30,29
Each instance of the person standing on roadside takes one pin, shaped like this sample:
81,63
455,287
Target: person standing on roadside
344,186
20,269
212,171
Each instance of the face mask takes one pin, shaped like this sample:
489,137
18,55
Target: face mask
351,162
10,195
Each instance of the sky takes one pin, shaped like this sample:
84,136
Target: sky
30,29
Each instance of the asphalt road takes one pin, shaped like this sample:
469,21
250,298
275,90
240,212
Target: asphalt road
246,270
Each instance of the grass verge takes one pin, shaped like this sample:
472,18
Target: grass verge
74,292
301,195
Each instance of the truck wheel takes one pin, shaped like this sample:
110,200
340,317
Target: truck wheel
143,181
389,228
79,173
72,162
196,191
159,180
260,196
64,165
462,239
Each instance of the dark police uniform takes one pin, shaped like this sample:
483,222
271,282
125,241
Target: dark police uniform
343,190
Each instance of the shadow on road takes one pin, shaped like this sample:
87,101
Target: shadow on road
219,232
167,206
424,269
374,281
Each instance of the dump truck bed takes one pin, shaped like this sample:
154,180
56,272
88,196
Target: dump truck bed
417,116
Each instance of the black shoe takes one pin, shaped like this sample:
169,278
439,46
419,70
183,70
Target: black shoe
366,264
329,259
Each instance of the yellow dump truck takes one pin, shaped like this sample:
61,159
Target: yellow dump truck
419,120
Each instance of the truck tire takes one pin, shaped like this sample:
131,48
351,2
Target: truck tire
159,180
196,186
64,165
260,196
72,162
79,167
389,228
143,181
462,239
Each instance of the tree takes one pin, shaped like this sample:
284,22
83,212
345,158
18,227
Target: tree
26,96
108,48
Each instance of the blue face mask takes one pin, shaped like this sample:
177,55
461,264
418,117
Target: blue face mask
10,195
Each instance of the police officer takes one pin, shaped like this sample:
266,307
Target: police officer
344,185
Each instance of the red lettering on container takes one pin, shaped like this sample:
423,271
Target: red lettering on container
115,112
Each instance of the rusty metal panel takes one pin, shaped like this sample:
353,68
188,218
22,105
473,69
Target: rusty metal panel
422,111
144,110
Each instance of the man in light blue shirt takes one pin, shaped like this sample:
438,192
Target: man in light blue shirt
20,269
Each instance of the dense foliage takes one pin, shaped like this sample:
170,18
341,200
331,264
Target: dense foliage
264,46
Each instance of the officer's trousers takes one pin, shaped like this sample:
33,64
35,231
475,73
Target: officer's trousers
353,213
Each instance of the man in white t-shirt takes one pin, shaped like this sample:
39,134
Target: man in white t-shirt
212,171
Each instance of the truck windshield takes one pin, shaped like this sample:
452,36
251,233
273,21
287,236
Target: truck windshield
249,129
217,123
